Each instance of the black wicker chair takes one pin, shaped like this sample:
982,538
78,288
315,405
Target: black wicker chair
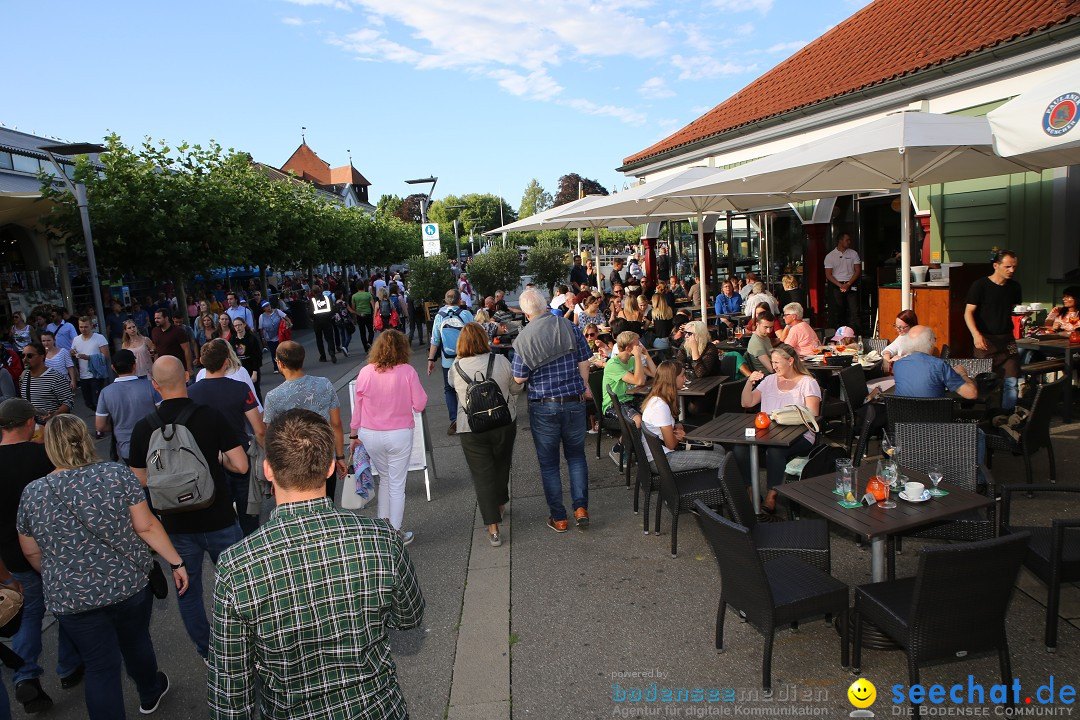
903,409
1053,554
645,479
853,392
953,446
1035,435
878,344
954,606
729,397
630,454
807,540
974,366
596,386
769,594
679,491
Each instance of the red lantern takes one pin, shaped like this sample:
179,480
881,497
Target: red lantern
761,421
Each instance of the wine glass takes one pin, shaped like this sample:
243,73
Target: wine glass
936,474
887,448
890,472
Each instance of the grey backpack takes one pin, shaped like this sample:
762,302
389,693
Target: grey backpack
177,474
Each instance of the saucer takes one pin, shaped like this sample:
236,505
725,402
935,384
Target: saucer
925,496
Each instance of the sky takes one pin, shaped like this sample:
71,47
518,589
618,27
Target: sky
483,94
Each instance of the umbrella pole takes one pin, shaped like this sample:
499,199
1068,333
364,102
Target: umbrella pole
905,247
701,266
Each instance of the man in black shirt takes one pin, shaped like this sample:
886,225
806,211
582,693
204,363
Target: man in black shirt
616,276
196,532
23,462
236,403
579,279
988,315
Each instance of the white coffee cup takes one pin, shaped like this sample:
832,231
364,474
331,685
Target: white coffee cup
914,489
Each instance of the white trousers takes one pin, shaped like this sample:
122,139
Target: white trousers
389,451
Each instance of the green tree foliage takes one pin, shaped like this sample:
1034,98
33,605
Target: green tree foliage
481,212
498,268
548,263
388,205
534,200
430,277
568,188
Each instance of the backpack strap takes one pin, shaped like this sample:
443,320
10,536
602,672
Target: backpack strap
491,364
457,366
186,413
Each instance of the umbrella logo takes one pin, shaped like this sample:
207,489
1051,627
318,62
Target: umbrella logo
1061,115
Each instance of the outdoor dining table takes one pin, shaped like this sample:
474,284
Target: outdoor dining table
1058,345
730,429
873,522
698,387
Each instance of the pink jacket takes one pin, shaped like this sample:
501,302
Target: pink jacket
386,400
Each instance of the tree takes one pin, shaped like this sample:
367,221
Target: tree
481,211
497,268
430,277
548,263
388,205
568,188
410,210
534,200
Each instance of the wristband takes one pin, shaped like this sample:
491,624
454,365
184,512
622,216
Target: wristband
354,437
340,457
181,564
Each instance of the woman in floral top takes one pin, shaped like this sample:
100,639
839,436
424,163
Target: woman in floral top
85,527
1067,317
592,314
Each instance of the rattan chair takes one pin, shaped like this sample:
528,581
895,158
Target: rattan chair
853,392
769,594
679,491
807,540
1053,554
878,344
1035,434
729,397
596,385
903,409
974,366
954,606
645,478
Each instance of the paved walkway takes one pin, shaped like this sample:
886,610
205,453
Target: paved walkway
557,626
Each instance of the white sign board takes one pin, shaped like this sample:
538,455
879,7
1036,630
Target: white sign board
431,231
431,248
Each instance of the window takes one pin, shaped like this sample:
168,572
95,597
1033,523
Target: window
26,164
5,161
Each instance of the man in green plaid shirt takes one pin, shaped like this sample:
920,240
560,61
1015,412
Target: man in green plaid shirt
302,605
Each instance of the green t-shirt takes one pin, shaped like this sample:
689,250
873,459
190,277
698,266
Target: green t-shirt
613,372
361,302
740,360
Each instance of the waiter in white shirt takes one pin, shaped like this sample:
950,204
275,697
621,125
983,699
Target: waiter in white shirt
842,271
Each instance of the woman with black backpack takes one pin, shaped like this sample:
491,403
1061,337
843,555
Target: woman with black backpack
487,433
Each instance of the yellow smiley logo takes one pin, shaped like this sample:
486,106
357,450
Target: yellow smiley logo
862,693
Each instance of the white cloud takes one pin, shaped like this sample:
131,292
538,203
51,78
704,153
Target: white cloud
703,67
292,21
762,6
336,4
537,85
745,29
655,88
626,115
787,47
372,45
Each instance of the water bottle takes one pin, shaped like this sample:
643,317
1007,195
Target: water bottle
859,347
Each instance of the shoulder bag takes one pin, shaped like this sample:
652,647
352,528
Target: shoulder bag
794,415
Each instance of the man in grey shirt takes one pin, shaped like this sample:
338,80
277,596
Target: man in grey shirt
124,402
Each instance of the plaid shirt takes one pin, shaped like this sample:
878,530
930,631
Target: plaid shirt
304,604
558,378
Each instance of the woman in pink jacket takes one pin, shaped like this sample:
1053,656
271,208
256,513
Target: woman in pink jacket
388,391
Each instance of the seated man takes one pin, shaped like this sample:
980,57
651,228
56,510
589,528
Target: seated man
626,369
728,302
797,332
920,374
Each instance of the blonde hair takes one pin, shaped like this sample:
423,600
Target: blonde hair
701,334
626,339
660,309
68,443
789,282
482,316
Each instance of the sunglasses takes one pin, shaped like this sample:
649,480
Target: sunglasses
592,334
688,332
27,356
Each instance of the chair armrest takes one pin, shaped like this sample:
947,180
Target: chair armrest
991,484
1008,490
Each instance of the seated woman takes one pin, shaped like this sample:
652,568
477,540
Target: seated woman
790,384
1067,317
634,314
658,414
697,353
905,320
662,320
792,293
490,326
592,312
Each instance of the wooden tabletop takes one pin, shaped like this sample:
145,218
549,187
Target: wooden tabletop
730,428
1059,342
699,387
817,494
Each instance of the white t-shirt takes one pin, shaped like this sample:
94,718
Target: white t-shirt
656,414
842,263
87,347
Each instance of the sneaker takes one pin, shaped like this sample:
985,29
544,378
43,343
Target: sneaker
452,430
495,539
559,526
151,707
344,352
33,698
69,681
616,455
333,359
322,359
406,536
581,517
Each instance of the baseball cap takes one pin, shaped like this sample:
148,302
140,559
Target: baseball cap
265,303
843,332
15,412
243,301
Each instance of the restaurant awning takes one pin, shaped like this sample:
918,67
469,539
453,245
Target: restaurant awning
1039,126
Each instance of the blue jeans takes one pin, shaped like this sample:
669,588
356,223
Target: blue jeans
552,424
449,394
27,641
104,636
191,547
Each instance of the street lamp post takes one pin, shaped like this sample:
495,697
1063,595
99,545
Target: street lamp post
79,193
457,240
426,200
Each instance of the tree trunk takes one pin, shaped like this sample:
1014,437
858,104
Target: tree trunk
262,281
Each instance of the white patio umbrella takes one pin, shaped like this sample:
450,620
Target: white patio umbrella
536,222
1039,126
899,151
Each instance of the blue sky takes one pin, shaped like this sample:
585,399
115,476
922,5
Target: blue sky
484,94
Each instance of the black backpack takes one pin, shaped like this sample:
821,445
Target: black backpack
484,401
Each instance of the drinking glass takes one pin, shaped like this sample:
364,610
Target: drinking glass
936,473
847,478
843,465
890,474
886,445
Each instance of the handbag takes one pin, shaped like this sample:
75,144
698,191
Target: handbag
794,415
394,319
158,584
11,603
376,322
284,331
359,488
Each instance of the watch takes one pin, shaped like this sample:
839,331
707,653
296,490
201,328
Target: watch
182,564
340,457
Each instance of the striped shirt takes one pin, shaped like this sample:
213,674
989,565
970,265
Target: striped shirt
46,392
304,604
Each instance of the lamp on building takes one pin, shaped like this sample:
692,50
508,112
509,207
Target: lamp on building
78,191
426,200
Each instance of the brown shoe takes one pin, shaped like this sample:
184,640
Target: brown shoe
581,517
452,430
559,526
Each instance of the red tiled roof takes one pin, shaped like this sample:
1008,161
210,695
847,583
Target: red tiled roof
306,164
347,174
883,41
